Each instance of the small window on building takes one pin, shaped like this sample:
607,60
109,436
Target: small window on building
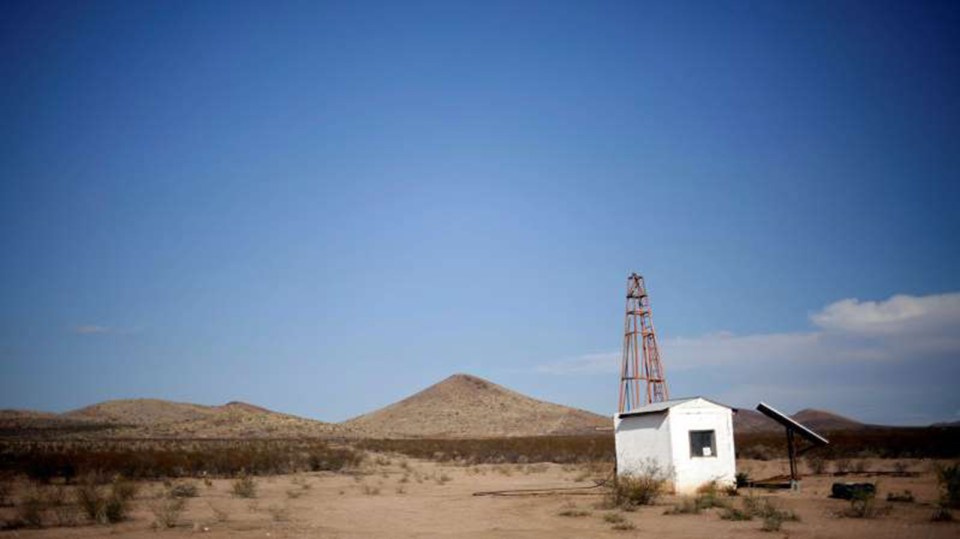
703,443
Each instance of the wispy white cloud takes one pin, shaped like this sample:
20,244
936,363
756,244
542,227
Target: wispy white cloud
888,362
898,315
900,328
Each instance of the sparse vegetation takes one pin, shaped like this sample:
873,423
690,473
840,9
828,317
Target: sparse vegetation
574,513
709,495
863,505
948,477
743,479
45,461
816,464
941,514
220,514
903,497
686,506
167,510
279,513
30,510
880,442
183,489
613,518
643,488
765,509
245,486
558,449
732,513
105,506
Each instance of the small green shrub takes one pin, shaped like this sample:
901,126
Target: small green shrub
817,464
772,523
279,513
773,517
643,488
732,513
183,489
904,497
218,512
573,512
948,478
30,511
102,506
863,505
743,479
613,518
245,486
709,495
941,514
686,506
167,511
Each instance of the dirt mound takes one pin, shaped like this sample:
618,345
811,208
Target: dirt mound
466,406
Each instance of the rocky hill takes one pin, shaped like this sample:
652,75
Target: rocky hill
155,418
752,421
468,406
825,421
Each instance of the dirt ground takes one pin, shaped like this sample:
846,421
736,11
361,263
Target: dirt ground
393,496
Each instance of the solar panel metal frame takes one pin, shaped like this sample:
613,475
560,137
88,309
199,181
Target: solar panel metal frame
790,423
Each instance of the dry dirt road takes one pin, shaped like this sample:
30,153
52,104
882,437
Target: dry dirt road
397,497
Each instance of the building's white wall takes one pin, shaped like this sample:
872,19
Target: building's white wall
640,439
691,472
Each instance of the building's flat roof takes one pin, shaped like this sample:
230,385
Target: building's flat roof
658,407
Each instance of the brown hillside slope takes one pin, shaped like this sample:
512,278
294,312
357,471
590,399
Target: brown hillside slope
749,421
154,418
823,420
467,406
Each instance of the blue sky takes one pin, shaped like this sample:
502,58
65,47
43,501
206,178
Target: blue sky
323,207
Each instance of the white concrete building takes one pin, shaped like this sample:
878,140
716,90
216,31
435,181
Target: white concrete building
692,439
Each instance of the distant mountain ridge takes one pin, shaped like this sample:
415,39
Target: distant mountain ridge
156,418
750,421
460,406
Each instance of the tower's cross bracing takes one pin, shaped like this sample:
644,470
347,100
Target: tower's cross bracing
640,339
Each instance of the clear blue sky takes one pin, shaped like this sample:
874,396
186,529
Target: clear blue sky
323,207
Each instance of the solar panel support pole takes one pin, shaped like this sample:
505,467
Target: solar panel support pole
792,453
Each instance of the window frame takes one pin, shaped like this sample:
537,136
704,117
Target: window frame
712,445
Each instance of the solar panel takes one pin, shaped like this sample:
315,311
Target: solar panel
788,422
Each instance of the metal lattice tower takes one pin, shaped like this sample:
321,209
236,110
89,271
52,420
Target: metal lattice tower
639,339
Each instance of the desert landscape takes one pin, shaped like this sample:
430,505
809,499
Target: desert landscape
533,269
417,469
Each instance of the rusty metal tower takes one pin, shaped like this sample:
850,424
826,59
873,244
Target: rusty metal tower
639,339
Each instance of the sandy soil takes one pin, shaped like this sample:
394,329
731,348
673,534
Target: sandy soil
407,498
